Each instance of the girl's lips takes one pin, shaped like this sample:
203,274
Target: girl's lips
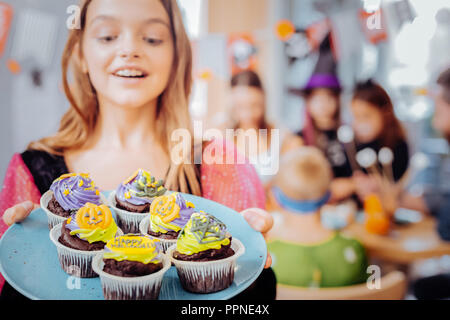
130,80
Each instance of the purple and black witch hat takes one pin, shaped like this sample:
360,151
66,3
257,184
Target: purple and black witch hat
324,74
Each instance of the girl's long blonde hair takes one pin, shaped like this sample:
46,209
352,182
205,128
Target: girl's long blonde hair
79,121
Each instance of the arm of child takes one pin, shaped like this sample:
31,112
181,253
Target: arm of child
19,195
235,184
228,178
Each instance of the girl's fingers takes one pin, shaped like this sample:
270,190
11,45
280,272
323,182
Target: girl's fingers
19,212
268,261
258,219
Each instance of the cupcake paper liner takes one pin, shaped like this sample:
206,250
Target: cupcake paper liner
54,219
209,276
130,288
74,262
165,243
126,220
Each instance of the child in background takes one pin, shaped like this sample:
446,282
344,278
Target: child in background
375,126
322,120
304,253
435,181
248,112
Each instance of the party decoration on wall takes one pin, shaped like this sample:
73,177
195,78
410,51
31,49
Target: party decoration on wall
6,14
13,66
36,76
285,29
346,35
35,37
317,32
404,12
205,74
299,43
242,52
374,25
297,46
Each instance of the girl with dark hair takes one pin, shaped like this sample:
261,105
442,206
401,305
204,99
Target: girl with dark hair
322,120
375,126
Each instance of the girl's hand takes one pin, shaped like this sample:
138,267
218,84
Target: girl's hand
19,212
341,189
365,185
261,221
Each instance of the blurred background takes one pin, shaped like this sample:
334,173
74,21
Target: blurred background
388,40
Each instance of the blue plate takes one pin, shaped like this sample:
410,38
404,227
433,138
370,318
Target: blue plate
29,261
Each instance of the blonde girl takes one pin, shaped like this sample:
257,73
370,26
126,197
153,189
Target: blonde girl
127,76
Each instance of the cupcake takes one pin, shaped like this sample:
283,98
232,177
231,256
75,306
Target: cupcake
67,194
205,254
81,236
131,268
132,199
168,215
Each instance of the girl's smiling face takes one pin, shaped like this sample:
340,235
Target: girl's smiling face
367,121
127,50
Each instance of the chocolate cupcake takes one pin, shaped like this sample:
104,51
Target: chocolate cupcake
205,254
131,268
80,237
132,199
168,215
67,194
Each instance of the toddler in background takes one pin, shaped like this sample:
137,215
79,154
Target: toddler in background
304,253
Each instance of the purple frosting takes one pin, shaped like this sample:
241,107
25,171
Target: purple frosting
74,191
137,195
185,212
73,224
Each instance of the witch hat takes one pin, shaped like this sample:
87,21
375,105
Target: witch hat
324,74
325,71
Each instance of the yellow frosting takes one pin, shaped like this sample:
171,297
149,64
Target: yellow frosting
187,242
156,225
132,248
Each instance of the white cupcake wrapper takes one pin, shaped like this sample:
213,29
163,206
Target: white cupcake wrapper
165,243
54,219
74,262
126,220
130,288
209,276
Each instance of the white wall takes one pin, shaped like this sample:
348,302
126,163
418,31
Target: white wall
36,40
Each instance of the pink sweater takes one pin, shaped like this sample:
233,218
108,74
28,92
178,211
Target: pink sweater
235,185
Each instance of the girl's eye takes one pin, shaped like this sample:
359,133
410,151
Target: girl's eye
153,41
107,38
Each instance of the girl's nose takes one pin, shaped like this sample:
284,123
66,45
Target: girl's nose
128,54
129,48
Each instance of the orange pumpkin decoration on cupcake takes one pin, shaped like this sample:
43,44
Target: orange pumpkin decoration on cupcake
165,207
92,216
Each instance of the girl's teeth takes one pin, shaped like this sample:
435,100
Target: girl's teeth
129,73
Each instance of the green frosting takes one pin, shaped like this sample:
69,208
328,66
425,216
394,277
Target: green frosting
94,235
